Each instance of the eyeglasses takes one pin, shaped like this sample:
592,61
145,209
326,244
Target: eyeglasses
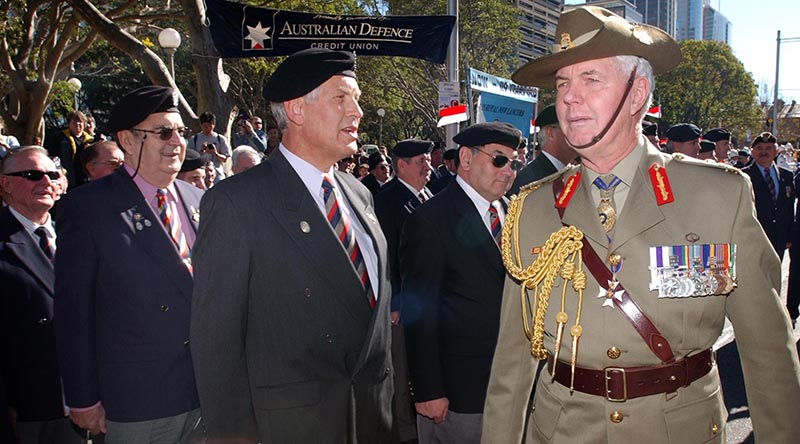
35,175
113,163
166,133
499,160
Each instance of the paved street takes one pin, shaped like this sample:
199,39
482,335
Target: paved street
739,428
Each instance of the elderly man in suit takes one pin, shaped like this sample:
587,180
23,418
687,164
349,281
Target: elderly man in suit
555,155
290,315
124,282
638,282
30,375
452,284
773,189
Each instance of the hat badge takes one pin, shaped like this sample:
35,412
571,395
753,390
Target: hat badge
566,41
641,34
174,98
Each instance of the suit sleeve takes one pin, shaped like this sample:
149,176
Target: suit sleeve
219,320
512,376
422,269
76,268
763,333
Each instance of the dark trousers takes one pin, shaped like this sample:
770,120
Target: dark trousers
404,425
793,292
55,431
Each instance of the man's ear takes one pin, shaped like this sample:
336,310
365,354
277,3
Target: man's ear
295,110
464,158
639,94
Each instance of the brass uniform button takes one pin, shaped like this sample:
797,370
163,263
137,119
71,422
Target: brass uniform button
613,352
616,417
714,429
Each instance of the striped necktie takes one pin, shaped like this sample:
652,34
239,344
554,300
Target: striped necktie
341,226
770,184
494,223
173,226
44,243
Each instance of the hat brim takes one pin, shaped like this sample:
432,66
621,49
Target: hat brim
614,38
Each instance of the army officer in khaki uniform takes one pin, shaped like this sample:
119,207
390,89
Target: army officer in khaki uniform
630,298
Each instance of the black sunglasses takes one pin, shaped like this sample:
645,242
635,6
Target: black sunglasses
35,175
165,133
499,160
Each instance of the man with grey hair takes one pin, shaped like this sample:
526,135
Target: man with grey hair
29,373
638,282
297,351
243,158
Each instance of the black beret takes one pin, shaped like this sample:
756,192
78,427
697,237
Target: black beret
764,137
133,108
305,70
706,146
547,116
717,134
192,161
489,132
683,132
411,147
375,159
450,154
649,128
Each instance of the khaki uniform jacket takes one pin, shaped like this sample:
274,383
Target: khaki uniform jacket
694,413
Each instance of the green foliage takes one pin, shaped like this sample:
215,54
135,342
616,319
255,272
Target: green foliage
710,88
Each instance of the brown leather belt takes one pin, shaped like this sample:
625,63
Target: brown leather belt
619,384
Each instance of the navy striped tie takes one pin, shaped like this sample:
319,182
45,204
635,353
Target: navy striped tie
494,220
341,226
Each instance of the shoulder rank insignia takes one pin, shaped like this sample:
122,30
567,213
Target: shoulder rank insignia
660,182
570,185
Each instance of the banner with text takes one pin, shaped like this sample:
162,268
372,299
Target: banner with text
506,109
482,81
245,31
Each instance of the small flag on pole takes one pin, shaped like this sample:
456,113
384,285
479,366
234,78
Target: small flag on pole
654,111
452,114
533,125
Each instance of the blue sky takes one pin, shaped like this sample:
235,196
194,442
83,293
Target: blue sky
753,40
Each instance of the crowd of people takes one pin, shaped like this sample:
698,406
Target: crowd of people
295,287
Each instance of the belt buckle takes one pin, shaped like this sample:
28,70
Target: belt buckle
606,373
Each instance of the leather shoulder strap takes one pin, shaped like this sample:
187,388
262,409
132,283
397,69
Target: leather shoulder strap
641,323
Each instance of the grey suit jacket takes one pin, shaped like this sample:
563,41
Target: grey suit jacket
285,345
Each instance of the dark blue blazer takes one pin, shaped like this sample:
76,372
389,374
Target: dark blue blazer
29,367
539,168
776,217
123,299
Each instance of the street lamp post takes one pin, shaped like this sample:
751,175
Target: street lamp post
170,40
75,84
381,113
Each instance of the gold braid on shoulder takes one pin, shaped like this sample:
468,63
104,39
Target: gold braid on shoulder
559,257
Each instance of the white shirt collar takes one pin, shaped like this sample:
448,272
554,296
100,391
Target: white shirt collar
31,226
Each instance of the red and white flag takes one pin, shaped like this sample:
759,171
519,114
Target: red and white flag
654,111
533,125
452,114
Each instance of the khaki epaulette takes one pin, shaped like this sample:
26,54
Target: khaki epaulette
720,166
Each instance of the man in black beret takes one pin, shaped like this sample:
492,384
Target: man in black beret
452,280
742,158
124,281
706,150
378,172
193,170
722,143
683,138
396,200
555,152
297,350
650,130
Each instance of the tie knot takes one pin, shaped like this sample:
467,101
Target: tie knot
161,192
492,210
41,232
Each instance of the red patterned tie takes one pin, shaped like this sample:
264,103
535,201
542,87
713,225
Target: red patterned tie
173,226
770,183
44,243
341,226
494,220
